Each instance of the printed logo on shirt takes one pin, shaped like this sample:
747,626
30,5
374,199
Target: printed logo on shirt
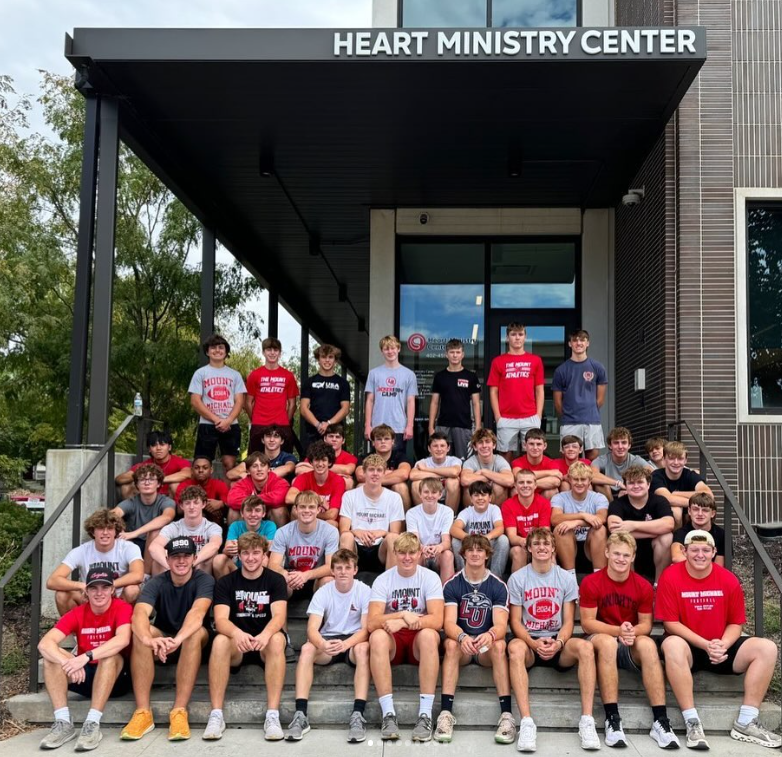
474,609
251,604
703,601
517,369
406,599
462,383
589,376
272,384
93,631
218,394
542,608
325,385
303,557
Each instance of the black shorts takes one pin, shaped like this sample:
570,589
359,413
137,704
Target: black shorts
208,439
122,685
248,658
343,656
700,659
369,558
551,663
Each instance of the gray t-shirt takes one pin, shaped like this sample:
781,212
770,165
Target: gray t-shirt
200,533
341,613
136,514
498,464
569,505
305,551
542,597
85,557
391,387
218,388
606,465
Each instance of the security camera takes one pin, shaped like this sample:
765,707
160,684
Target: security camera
423,219
633,197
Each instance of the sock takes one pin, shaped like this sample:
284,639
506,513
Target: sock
659,712
425,703
216,712
387,704
690,714
446,702
505,704
359,705
747,714
301,704
95,715
572,572
611,709
585,719
64,713
273,714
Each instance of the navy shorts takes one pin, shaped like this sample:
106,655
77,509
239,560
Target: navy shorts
122,685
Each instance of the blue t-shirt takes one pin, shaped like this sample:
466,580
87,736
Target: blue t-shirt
475,603
578,383
267,528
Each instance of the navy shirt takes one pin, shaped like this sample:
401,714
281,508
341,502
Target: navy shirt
475,603
578,383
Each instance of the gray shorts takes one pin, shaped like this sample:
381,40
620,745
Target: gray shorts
624,660
591,434
511,431
458,438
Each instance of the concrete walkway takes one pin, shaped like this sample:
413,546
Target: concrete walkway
319,743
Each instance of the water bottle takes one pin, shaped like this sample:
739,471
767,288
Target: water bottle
138,404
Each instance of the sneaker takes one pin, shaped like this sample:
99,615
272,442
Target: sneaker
696,739
755,733
444,730
62,731
140,724
215,727
90,736
290,653
614,735
663,734
506,729
422,731
528,735
298,727
178,728
357,728
588,733
389,730
272,730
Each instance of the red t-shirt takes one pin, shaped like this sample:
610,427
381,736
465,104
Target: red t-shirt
537,515
272,492
706,605
523,462
516,377
214,488
617,603
563,467
173,465
271,390
331,491
92,631
345,458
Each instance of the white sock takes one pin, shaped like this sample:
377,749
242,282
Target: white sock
273,714
387,704
64,713
425,702
585,719
691,714
216,712
747,714
95,715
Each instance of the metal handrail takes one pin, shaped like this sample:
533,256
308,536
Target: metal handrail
33,548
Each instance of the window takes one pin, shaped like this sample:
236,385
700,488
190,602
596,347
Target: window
444,13
533,13
483,13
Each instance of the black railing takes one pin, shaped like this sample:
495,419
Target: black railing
33,550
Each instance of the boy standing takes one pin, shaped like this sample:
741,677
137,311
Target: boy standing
521,513
548,478
676,482
439,463
431,522
484,465
325,397
481,518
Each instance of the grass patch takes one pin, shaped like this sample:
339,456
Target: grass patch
13,662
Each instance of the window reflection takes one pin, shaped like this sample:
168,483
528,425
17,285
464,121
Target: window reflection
444,13
532,13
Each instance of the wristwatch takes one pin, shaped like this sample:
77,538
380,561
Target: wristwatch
89,655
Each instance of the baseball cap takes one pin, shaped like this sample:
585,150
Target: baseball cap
181,545
99,576
699,536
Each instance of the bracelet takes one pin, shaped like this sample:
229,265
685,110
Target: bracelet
562,643
461,637
492,634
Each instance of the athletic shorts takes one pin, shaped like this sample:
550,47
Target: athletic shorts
624,660
122,685
591,434
700,659
369,558
208,439
458,438
248,658
343,656
404,647
511,432
554,663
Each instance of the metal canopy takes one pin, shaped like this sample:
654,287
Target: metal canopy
207,113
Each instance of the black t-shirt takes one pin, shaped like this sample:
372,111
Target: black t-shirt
250,600
393,462
325,394
172,603
656,507
685,483
455,389
716,531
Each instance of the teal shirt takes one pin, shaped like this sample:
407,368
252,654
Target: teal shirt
238,527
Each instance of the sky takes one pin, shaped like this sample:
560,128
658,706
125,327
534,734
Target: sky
32,37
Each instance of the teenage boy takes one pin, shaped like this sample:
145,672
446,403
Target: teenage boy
216,490
476,619
702,608
439,463
610,466
344,462
175,469
121,559
397,470
98,670
655,451
336,632
571,448
482,518
676,482
515,384
485,465
520,514
371,519
207,536
391,390
217,394
548,478
250,611
265,484
579,389
648,518
578,518
271,397
616,610
455,403
325,397
405,617
253,512
329,486
542,608
282,463
431,522
702,511
180,598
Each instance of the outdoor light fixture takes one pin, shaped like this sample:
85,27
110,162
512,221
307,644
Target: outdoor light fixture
634,196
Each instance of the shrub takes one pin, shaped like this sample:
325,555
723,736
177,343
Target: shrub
16,523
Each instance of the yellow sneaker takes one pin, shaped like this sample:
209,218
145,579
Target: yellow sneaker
140,724
179,728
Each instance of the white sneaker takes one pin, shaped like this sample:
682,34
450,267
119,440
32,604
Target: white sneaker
272,730
663,734
588,733
528,736
215,727
614,733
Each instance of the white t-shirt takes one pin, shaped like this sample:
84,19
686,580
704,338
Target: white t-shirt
569,505
450,462
400,594
341,613
370,515
117,560
480,523
200,534
305,551
430,528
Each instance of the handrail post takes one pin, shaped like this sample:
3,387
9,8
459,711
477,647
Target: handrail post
728,526
35,617
111,488
758,593
76,515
